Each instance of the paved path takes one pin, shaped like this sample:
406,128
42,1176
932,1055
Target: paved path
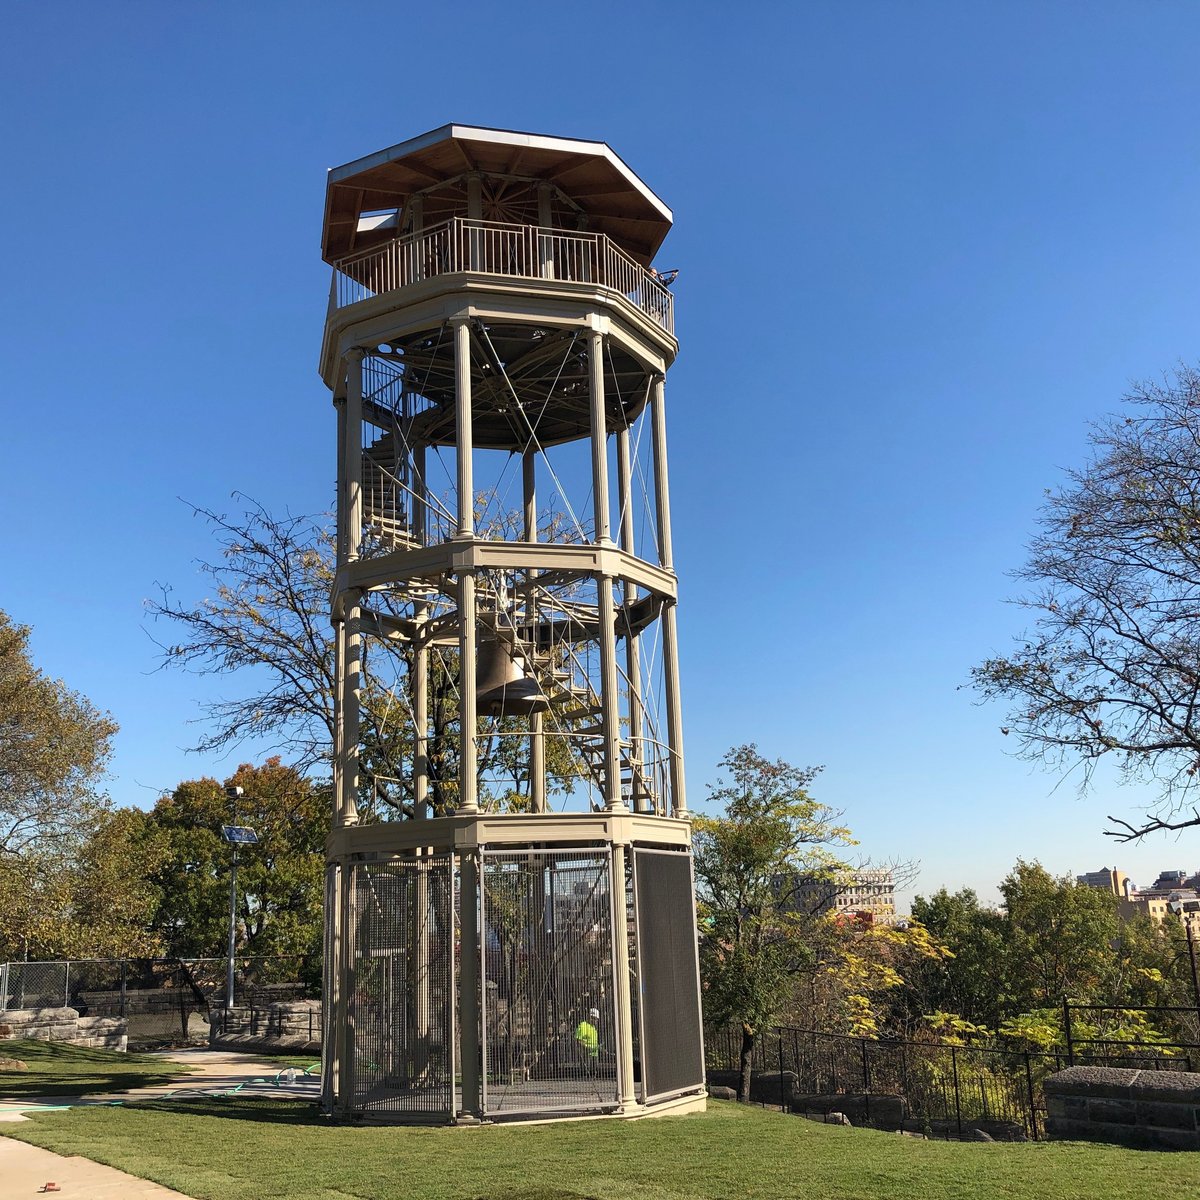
26,1169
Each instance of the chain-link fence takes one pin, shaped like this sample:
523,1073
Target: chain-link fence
163,1001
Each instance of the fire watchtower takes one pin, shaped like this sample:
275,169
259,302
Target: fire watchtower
510,926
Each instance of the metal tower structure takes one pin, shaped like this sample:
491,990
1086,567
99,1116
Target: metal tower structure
510,925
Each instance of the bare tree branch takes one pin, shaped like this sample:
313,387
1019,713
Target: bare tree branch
1110,671
1130,833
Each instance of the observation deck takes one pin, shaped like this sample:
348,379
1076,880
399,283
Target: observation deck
493,213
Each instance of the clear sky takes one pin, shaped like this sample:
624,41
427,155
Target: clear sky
920,246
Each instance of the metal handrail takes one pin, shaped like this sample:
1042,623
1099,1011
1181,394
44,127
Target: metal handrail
494,248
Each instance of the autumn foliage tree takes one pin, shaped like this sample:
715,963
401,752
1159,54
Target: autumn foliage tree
751,860
279,879
54,748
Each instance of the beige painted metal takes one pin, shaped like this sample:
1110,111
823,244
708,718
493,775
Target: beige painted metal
670,633
389,839
428,594
560,303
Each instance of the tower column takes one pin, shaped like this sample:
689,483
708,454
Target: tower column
610,701
464,444
662,503
349,637
417,531
633,665
537,736
626,1091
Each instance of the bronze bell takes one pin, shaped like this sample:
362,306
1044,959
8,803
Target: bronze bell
502,688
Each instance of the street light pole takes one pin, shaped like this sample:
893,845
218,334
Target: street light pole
235,835
232,930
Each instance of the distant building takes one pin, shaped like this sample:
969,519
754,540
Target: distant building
1146,904
1174,895
1169,880
1115,882
868,891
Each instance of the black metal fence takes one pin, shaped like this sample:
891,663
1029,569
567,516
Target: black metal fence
931,1088
163,1001
1179,1055
262,1018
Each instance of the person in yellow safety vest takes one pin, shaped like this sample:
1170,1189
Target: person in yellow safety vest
587,1038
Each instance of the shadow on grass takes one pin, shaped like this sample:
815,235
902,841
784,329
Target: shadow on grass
62,1069
270,1112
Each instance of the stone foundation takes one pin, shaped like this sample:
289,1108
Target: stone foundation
1152,1110
293,1026
66,1025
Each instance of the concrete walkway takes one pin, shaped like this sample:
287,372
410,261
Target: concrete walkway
25,1169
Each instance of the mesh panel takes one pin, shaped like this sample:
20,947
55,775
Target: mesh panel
635,1016
672,1045
329,968
548,963
399,1002
35,985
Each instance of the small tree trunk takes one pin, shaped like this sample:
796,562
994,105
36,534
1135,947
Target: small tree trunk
747,1053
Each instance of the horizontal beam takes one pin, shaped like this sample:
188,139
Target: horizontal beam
453,558
362,843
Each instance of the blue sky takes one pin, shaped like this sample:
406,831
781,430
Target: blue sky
920,245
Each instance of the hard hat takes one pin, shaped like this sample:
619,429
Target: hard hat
594,1014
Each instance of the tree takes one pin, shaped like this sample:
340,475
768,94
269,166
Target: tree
86,897
267,618
751,865
1111,671
968,981
54,747
279,879
1054,938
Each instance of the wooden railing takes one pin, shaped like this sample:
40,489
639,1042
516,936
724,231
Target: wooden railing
490,248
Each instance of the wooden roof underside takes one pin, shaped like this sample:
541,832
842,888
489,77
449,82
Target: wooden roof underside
617,202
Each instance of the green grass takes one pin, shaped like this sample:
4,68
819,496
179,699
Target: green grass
59,1069
259,1150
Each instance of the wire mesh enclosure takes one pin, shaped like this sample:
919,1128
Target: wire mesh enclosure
548,1014
401,992
672,1049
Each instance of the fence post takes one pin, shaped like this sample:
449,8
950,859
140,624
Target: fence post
67,984
1033,1128
779,1039
1192,956
957,1103
124,985
1067,1031
4,987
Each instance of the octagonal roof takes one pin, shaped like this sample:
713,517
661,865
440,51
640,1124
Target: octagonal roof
616,201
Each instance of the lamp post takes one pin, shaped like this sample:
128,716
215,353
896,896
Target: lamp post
235,835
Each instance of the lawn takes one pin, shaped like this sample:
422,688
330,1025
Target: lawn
60,1069
260,1150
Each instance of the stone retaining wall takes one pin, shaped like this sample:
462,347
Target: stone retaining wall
1153,1110
65,1025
